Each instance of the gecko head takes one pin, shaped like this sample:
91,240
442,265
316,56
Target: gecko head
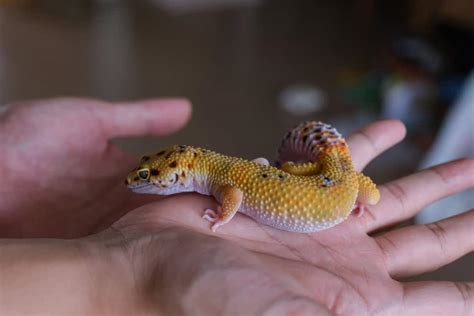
167,172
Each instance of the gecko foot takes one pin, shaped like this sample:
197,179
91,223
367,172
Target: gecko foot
210,215
358,209
213,217
217,224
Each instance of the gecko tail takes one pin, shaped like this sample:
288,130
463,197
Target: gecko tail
305,141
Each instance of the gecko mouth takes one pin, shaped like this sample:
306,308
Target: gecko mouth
139,187
148,187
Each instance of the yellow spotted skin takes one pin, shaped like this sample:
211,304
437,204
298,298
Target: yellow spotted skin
298,197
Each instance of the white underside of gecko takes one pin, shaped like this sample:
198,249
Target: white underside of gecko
282,222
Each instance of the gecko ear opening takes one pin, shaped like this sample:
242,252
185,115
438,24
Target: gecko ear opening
143,174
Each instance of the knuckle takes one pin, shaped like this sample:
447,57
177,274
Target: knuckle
466,291
439,232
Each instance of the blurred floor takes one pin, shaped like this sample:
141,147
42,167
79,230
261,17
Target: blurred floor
230,63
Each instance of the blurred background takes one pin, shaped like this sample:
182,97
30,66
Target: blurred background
254,68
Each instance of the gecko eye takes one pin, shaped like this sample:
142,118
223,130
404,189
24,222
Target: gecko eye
143,174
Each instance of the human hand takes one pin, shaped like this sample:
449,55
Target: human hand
61,176
249,268
162,257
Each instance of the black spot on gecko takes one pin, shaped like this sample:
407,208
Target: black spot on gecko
195,154
136,179
161,153
173,164
318,137
145,158
264,175
168,155
183,174
154,172
281,176
327,182
318,130
305,137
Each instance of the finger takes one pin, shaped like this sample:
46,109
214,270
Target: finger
150,117
438,298
442,242
403,198
372,140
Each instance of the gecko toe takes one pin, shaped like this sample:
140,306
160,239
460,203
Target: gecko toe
358,210
210,215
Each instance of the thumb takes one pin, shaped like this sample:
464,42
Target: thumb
147,117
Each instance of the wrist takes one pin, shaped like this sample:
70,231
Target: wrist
63,277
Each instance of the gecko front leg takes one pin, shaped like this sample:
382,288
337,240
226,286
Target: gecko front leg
231,201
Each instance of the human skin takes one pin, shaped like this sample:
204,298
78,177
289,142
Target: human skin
133,254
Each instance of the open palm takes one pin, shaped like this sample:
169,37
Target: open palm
248,268
61,177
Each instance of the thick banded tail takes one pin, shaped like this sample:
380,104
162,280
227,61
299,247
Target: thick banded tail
304,142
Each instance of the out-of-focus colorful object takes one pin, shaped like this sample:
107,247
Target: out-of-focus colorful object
302,99
410,91
362,89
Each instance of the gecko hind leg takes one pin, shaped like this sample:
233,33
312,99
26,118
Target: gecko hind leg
358,209
301,169
368,192
368,195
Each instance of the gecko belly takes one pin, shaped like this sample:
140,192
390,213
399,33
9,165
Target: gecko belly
297,225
